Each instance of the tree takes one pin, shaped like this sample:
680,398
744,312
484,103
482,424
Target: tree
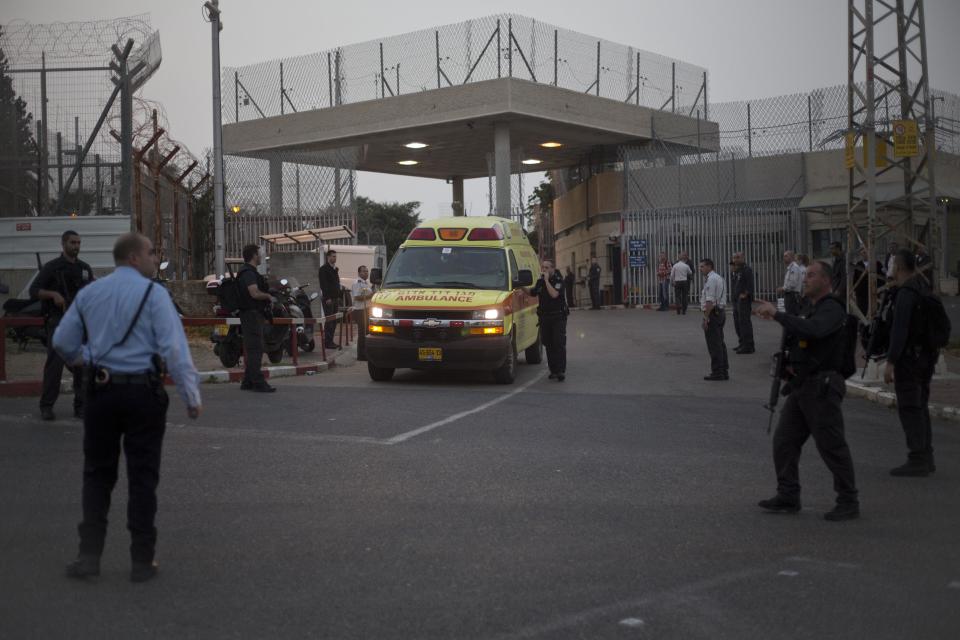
18,149
541,200
388,223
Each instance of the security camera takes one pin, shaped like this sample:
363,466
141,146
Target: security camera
614,237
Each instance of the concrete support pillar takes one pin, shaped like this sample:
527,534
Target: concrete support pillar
501,165
276,187
458,206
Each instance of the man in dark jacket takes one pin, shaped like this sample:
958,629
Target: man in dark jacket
910,366
254,298
593,280
815,391
329,280
742,288
57,285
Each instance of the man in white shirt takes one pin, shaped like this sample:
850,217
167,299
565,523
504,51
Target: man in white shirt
680,275
713,303
361,292
792,284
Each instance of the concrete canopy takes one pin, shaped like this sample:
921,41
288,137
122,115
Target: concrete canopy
457,124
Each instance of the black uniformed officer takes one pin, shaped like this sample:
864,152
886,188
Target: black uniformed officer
57,285
593,280
910,366
254,298
123,328
741,281
815,392
552,311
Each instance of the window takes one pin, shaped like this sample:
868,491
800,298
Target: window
514,268
448,267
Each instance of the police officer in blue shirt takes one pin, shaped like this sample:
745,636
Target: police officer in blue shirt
124,330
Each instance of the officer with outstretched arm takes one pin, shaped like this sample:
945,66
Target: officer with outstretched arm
815,390
124,330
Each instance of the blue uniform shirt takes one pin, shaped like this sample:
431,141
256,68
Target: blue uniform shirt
108,307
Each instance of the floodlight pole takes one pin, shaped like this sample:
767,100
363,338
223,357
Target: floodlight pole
218,232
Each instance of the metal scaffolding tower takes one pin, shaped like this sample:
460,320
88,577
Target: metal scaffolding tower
890,130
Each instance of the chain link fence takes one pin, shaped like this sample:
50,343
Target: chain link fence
497,46
61,73
706,202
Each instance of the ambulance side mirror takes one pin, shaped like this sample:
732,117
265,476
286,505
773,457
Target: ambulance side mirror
524,279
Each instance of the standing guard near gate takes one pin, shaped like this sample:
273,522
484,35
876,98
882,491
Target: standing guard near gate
57,285
552,311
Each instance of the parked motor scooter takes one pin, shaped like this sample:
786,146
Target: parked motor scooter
228,339
298,303
26,307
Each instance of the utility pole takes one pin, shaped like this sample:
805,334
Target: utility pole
878,75
213,14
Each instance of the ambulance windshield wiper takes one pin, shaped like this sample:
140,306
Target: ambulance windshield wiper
401,283
457,283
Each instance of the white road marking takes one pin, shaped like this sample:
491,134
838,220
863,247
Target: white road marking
789,574
955,584
403,437
25,419
632,622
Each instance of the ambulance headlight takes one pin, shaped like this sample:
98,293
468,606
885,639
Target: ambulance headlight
380,312
487,314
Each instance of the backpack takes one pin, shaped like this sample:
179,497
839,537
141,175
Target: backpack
228,294
934,323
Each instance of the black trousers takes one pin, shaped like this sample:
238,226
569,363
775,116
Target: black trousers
814,410
53,373
715,344
912,376
136,416
330,326
569,294
251,325
743,323
682,291
791,302
595,294
553,334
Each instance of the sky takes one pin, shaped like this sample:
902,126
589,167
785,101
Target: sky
750,48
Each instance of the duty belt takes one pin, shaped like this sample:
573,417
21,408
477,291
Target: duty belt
130,378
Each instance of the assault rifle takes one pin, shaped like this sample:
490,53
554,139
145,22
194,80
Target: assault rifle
777,370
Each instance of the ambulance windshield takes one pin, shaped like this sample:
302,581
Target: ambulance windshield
447,268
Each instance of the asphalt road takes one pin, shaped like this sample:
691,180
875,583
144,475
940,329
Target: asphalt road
618,504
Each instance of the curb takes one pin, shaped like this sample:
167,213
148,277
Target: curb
889,400
219,376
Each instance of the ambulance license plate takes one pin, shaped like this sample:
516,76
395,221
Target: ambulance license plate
428,354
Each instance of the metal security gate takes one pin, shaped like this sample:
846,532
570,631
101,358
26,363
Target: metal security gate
762,230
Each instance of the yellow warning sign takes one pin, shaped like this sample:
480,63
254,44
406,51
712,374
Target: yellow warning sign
880,155
849,156
905,143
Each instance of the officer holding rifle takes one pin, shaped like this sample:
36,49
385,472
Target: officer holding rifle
814,390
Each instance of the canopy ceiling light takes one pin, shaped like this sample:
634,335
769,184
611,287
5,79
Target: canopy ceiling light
550,145
408,163
415,145
531,161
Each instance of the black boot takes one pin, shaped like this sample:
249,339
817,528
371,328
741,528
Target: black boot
778,504
843,511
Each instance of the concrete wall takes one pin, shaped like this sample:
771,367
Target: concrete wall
604,193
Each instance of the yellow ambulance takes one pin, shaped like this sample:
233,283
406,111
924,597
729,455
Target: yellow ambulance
454,297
